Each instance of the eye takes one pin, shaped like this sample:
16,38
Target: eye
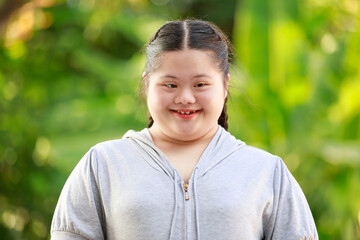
200,85
170,85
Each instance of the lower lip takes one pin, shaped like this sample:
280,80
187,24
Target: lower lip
184,116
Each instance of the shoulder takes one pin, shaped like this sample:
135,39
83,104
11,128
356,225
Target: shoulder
254,152
112,145
257,156
125,144
118,149
251,156
109,151
247,151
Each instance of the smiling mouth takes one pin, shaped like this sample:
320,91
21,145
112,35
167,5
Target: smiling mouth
186,112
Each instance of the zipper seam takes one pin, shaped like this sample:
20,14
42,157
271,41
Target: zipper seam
186,185
185,210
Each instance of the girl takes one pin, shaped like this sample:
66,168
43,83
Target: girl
185,176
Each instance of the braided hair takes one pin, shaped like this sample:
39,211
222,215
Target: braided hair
190,34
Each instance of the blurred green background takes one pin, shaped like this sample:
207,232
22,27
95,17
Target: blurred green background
69,74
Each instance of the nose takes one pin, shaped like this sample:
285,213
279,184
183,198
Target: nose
185,96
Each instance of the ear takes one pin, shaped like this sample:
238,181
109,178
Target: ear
227,80
143,75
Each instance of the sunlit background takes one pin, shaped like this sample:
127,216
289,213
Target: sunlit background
69,74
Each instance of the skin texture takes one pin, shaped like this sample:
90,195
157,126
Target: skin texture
186,81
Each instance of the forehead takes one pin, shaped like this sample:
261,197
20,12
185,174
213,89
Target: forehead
187,61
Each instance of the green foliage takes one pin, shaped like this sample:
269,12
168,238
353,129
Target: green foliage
69,74
303,75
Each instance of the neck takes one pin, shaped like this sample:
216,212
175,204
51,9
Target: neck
160,138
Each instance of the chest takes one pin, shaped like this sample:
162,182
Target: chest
184,159
153,206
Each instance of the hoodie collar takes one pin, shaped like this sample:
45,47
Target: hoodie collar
222,145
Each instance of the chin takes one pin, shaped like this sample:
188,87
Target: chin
186,129
187,137
188,133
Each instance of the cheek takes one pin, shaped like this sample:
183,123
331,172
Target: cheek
215,95
156,99
214,100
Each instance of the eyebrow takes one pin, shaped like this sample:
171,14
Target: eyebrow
169,76
196,76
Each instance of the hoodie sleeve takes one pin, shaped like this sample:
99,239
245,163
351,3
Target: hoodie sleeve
79,214
291,218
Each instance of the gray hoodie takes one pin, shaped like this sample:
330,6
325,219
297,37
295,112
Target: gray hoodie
128,189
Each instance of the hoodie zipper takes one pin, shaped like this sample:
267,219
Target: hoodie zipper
186,191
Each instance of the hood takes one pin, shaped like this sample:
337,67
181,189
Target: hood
222,145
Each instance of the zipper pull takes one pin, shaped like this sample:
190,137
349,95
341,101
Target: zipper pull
186,191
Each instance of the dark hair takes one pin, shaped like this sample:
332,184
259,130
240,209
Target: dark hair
190,34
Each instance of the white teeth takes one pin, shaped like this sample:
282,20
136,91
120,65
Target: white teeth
186,113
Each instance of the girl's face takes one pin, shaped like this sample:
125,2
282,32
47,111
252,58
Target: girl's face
185,95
